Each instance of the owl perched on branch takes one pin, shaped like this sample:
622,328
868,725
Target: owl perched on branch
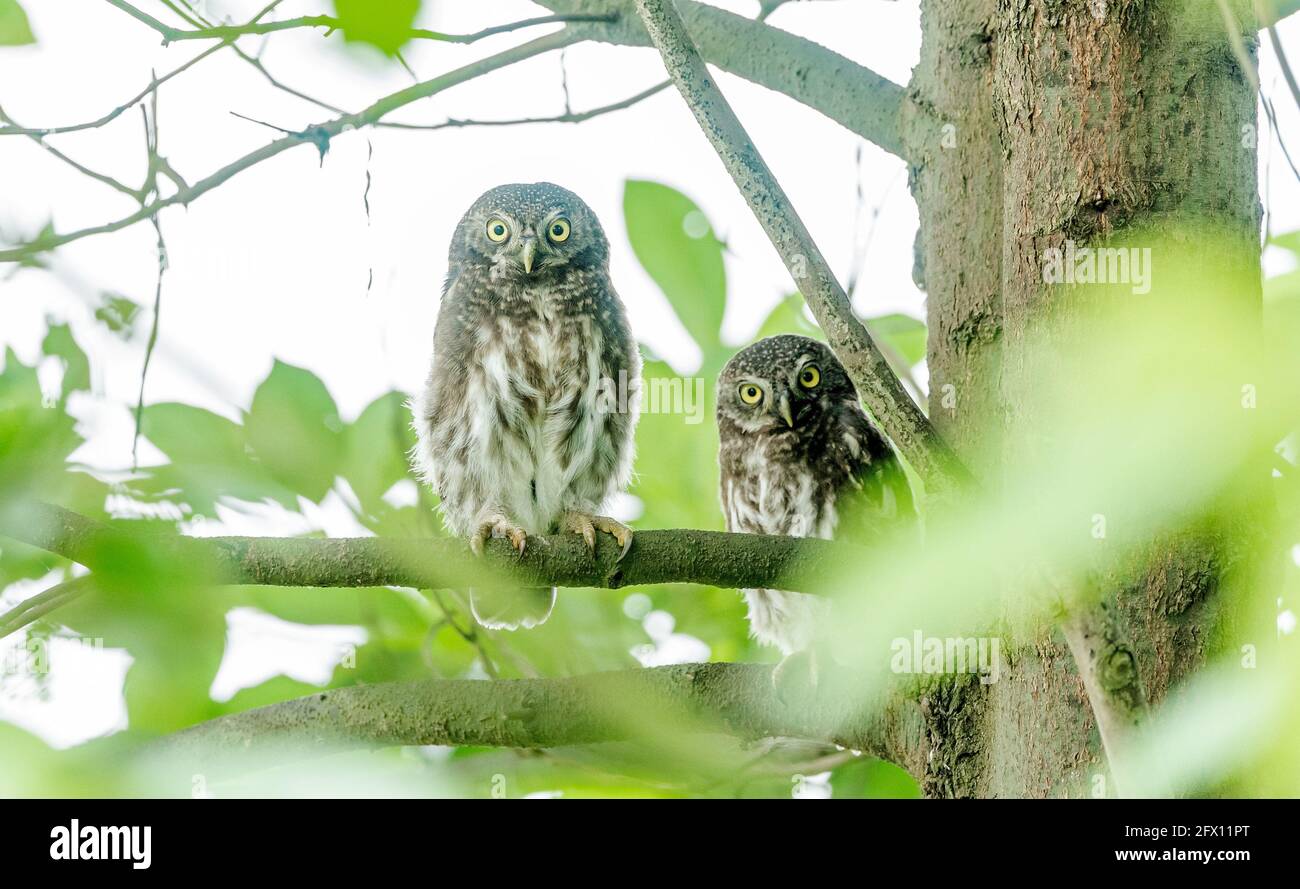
517,432
800,458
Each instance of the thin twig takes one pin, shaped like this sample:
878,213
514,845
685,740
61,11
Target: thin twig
1282,62
367,117
333,23
154,83
567,117
34,608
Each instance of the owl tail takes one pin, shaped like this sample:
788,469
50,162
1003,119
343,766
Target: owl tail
510,609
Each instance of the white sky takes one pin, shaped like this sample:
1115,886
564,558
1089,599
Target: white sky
274,264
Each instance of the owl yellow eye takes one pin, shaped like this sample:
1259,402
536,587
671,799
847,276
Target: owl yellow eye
750,394
810,376
559,230
497,230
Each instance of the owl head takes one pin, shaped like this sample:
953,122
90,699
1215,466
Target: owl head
529,231
782,384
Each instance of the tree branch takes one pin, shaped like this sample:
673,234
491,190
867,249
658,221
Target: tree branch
712,558
737,699
312,136
333,23
855,97
906,424
34,608
1109,671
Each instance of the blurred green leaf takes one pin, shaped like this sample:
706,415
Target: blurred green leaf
295,430
386,25
209,460
904,334
869,778
118,313
788,316
675,243
76,368
15,30
376,449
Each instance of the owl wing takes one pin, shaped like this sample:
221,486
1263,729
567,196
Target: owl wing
440,407
877,497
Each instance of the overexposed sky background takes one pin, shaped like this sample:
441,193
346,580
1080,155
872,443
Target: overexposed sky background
275,263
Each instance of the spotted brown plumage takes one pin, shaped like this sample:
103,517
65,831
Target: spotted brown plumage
799,457
518,432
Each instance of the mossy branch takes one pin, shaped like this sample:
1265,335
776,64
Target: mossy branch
735,699
712,558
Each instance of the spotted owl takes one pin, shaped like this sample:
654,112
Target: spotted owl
799,458
519,430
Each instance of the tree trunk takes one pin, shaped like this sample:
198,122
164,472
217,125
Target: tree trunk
1083,121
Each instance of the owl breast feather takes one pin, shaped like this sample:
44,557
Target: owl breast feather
528,424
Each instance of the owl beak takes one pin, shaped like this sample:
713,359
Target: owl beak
783,407
527,251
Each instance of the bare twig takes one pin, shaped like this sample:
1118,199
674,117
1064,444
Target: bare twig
1285,65
154,83
567,117
906,424
34,608
312,135
333,23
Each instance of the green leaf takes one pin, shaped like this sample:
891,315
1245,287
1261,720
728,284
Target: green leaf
789,317
188,434
294,429
15,30
904,334
118,313
868,778
76,368
675,243
386,25
376,448
1289,241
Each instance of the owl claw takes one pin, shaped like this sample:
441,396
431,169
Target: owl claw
581,523
498,526
588,525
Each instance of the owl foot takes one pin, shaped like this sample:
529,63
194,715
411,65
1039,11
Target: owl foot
497,525
796,676
588,525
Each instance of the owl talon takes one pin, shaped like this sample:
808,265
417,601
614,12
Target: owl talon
619,531
581,523
588,525
498,526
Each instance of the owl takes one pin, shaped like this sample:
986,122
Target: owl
519,428
799,458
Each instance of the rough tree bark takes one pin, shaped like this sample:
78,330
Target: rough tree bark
1081,121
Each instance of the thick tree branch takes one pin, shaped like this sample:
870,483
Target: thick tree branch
906,424
705,557
853,96
737,699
